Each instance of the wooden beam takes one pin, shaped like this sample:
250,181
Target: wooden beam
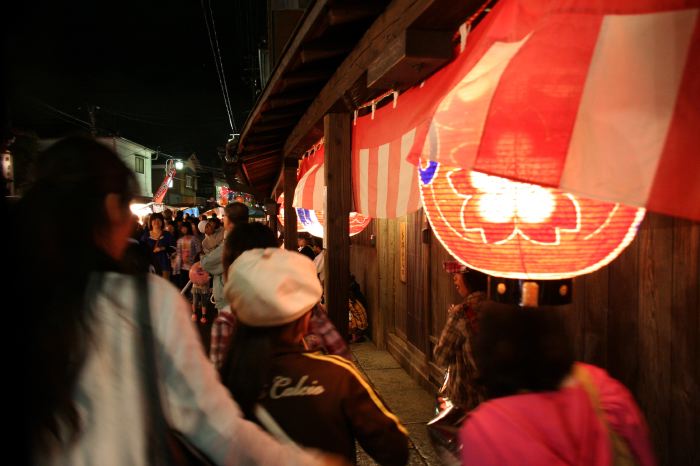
325,48
248,148
260,140
293,112
352,13
290,213
398,16
275,125
260,156
305,77
271,208
338,144
410,58
317,11
289,99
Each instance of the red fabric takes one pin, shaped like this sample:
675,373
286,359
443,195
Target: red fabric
315,158
555,428
676,189
510,105
163,189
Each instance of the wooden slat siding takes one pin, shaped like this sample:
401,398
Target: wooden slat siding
386,286
575,317
595,336
444,293
685,347
623,321
338,137
655,292
363,265
399,288
414,299
426,289
290,213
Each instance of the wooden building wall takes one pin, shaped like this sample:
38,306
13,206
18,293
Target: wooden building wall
639,317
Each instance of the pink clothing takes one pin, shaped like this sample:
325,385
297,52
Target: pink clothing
555,428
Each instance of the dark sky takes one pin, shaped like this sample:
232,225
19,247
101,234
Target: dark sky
147,64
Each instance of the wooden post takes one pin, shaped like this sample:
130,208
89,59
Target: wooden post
272,210
337,129
290,213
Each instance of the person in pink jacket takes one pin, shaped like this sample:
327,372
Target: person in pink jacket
543,408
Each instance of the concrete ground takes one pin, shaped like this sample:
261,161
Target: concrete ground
404,396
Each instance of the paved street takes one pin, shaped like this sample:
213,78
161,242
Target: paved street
405,397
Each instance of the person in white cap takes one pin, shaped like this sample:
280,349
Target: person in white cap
320,401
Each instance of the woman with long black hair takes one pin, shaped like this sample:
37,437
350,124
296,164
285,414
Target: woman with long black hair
84,376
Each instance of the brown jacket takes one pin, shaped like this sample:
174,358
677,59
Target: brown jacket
322,401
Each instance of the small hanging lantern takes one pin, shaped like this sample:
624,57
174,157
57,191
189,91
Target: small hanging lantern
522,231
280,214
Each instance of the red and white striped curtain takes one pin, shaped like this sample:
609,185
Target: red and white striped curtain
311,181
600,98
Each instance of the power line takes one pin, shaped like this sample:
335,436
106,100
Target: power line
219,67
221,63
68,115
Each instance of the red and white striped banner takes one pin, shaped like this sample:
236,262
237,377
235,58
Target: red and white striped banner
311,181
385,184
600,98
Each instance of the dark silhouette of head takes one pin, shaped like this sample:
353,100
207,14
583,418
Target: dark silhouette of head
521,349
236,213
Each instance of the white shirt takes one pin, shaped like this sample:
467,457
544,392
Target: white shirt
109,392
320,261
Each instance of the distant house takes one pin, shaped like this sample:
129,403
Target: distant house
186,186
136,157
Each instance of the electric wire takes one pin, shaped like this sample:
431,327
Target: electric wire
219,72
221,64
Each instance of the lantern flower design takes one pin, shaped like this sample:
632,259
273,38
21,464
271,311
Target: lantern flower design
314,221
358,222
505,209
519,230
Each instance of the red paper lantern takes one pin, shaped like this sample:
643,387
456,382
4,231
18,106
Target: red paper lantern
280,215
519,230
314,220
223,195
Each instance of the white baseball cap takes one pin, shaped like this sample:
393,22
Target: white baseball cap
271,287
201,225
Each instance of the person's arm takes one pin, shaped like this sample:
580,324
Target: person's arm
452,336
197,404
378,430
212,262
331,340
221,331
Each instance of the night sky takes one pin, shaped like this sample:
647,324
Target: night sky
147,65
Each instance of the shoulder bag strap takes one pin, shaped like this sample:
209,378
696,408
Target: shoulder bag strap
620,450
154,420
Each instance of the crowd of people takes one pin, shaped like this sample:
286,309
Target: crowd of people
278,386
